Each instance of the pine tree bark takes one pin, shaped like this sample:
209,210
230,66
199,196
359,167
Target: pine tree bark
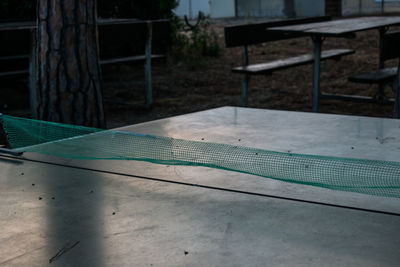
67,69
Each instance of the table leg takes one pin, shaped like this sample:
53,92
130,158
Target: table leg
381,63
147,66
397,94
245,78
32,76
245,83
317,43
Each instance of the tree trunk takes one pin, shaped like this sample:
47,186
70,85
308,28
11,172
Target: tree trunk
68,71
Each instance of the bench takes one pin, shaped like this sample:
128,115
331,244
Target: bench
250,34
9,60
14,52
124,41
120,41
390,49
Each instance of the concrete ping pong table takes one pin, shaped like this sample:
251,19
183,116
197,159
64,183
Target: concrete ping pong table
63,212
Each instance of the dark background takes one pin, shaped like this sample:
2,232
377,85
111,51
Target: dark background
12,10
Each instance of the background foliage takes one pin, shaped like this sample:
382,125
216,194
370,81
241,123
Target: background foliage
192,44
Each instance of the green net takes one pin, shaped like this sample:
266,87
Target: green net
23,132
380,178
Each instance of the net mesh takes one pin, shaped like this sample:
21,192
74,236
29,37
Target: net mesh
380,178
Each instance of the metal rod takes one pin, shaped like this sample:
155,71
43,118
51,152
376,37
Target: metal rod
245,85
317,43
381,63
245,79
358,98
397,93
33,101
10,152
147,68
217,188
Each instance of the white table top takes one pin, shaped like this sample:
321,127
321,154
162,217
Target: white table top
80,217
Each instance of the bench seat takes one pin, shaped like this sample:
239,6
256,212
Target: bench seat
14,57
5,59
269,67
128,59
13,73
375,77
389,50
102,62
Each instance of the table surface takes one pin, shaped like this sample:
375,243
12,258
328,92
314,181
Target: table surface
116,214
341,27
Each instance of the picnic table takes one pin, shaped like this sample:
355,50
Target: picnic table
336,28
254,34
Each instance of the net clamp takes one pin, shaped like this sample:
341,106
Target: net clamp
10,152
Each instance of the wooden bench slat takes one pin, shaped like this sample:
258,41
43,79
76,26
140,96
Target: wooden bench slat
375,77
14,57
128,59
102,62
12,73
255,33
269,67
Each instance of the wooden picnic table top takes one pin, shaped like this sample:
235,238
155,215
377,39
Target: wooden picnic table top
31,25
340,27
111,21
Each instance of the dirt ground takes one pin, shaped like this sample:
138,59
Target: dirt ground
179,88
